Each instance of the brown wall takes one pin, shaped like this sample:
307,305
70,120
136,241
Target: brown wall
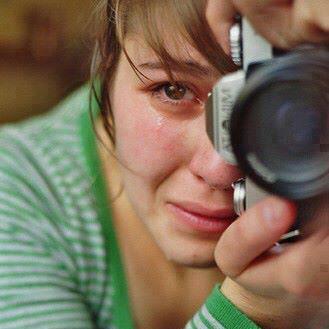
45,51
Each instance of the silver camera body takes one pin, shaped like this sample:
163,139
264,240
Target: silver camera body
249,50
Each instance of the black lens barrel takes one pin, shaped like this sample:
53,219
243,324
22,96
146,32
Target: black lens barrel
293,85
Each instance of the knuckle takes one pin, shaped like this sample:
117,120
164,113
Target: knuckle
304,12
324,24
303,23
229,271
301,277
305,15
221,262
225,263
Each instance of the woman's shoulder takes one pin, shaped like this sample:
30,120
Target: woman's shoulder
42,158
45,191
42,170
42,163
42,149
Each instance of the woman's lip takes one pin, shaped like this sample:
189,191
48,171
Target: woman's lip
201,210
188,221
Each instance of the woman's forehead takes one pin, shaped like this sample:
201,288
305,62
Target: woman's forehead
181,52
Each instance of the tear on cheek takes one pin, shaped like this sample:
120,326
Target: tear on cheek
153,143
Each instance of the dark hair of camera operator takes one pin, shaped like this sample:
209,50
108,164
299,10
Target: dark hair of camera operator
121,221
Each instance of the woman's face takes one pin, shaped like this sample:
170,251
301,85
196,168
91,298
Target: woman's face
176,183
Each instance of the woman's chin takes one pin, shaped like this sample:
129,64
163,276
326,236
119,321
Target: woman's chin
191,254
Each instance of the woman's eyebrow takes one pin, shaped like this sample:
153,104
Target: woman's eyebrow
191,67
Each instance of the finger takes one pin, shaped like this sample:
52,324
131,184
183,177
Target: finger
311,21
301,269
262,276
315,215
307,267
220,16
270,18
253,233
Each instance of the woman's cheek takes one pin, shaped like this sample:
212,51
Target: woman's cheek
149,142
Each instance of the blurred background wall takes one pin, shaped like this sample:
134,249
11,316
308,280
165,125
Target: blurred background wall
45,49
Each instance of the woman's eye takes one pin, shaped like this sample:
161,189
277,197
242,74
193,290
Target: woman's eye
175,94
177,97
178,92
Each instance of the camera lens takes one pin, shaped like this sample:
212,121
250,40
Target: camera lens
280,126
298,127
286,134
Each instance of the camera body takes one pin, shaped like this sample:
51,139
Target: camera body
271,118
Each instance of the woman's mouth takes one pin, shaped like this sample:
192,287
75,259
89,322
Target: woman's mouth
191,216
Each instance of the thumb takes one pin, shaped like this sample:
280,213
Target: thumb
253,233
220,16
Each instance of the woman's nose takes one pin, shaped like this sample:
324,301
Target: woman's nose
210,167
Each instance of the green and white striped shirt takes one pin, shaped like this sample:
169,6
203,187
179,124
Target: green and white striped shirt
60,266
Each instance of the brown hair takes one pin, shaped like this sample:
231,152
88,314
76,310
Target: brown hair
149,18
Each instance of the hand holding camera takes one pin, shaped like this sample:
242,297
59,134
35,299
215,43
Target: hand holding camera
284,23
272,119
